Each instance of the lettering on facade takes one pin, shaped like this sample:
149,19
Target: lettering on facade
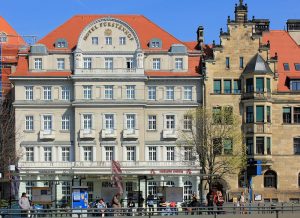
111,24
170,171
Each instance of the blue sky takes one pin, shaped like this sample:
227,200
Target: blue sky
179,17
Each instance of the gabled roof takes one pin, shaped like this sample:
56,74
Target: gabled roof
257,65
13,37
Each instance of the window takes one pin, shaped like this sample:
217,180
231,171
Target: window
297,145
90,186
65,122
217,86
270,179
130,121
29,123
170,122
152,122
87,63
249,114
87,153
122,40
65,154
187,93
298,182
241,62
3,37
109,121
129,63
29,93
297,66
155,44
259,84
260,145
108,40
30,154
170,184
109,153
108,92
287,115
94,40
130,92
47,93
217,115
151,92
170,92
129,187
156,64
217,146
152,188
187,122
260,114
187,190
249,145
47,122
286,67
109,63
296,114
61,44
47,154
60,63
227,86
295,85
65,93
227,146
227,62
268,114
152,154
236,86
29,186
268,85
170,153
269,145
249,85
87,121
130,151
87,92
178,63
38,64
188,153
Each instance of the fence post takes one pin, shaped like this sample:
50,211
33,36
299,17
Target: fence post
277,213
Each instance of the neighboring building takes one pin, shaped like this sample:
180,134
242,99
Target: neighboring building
101,88
254,71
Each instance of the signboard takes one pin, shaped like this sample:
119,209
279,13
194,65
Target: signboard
170,171
257,197
41,195
79,197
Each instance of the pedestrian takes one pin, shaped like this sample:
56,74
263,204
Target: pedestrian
194,204
141,205
24,205
219,201
101,206
130,206
242,202
116,205
210,201
150,203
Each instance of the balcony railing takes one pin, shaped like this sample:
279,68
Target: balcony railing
257,95
130,133
108,71
108,133
258,128
47,134
170,134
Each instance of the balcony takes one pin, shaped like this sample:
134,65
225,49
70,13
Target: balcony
108,134
257,95
258,128
47,135
130,133
170,134
87,134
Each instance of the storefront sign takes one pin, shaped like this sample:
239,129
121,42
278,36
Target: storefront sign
171,171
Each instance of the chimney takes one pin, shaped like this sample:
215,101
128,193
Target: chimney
200,36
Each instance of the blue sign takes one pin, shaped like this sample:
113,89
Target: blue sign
79,198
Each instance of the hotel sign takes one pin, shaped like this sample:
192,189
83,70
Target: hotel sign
171,171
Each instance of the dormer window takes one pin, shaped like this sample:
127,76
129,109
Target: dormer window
3,37
61,43
295,85
155,43
297,66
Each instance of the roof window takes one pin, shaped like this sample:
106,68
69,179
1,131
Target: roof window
61,43
155,43
3,37
297,66
286,66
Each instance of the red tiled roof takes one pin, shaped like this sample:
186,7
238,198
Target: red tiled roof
288,52
191,45
13,37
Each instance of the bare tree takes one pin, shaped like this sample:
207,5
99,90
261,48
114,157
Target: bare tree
216,139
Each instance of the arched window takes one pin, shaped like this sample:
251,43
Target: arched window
187,190
3,37
152,187
270,179
170,184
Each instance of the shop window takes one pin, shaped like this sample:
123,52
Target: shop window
270,179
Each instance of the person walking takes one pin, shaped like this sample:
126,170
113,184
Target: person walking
219,201
210,201
130,206
242,202
24,205
101,206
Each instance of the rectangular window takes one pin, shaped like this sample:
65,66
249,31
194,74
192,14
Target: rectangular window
227,62
260,145
87,121
29,154
297,66
108,92
122,40
47,122
47,93
152,154
108,40
95,41
249,145
260,114
188,153
65,93
38,64
130,92
155,44
109,121
87,63
237,86
286,67
87,153
151,92
109,63
217,115
178,63
29,93
65,154
109,153
297,145
170,93
60,63
156,64
170,153
241,62
249,85
47,154
296,114
129,63
269,146
268,85
29,123
259,84
287,115
228,115
130,151
66,190
65,122
227,144
187,93
152,122
268,114
130,121
87,92
170,122
187,122
227,86
217,86
295,85
217,146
